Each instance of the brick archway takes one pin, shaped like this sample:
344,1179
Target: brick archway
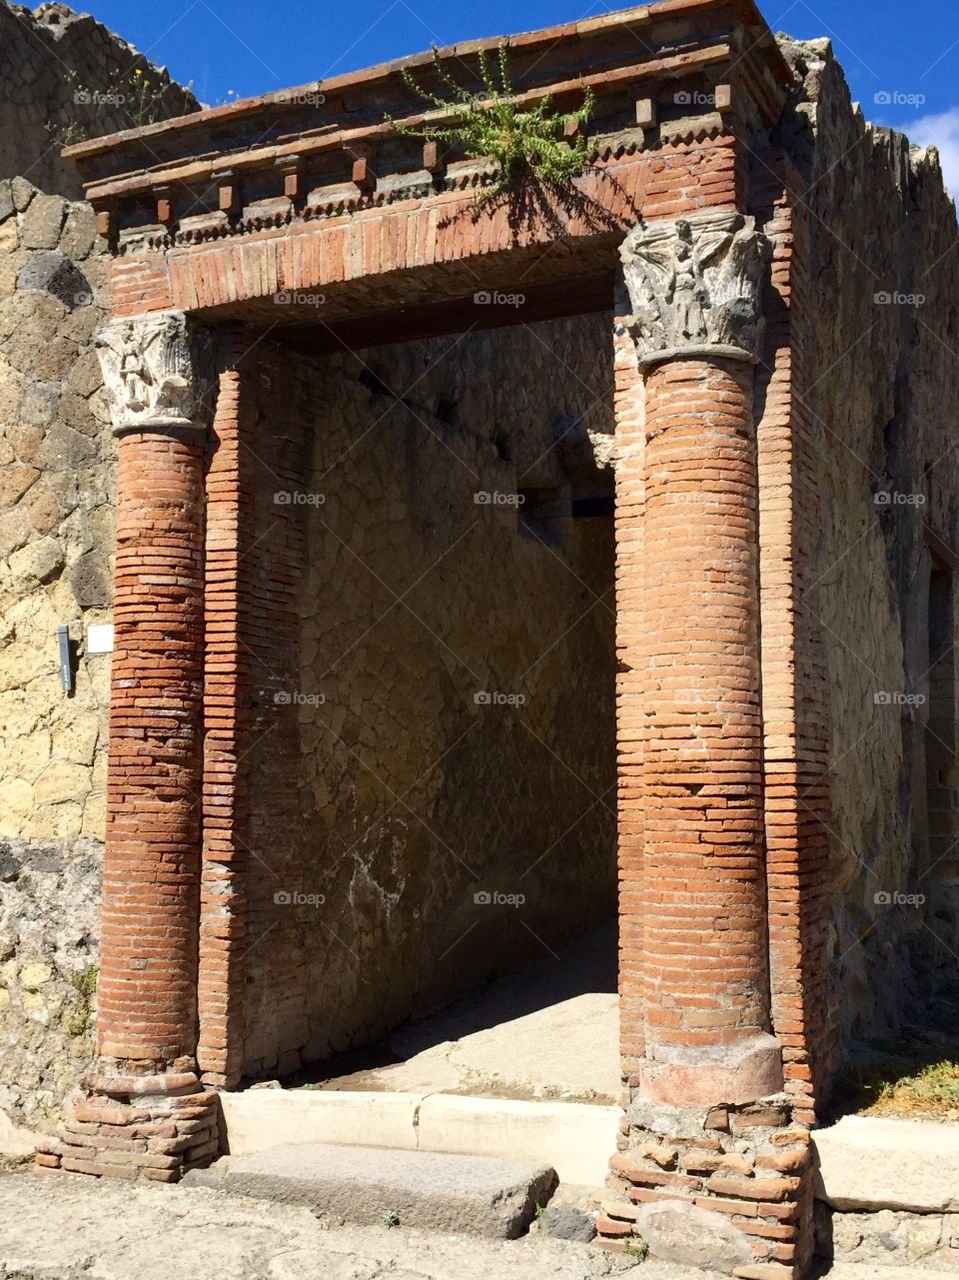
683,218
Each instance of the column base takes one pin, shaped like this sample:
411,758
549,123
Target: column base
728,1187
136,1127
737,1073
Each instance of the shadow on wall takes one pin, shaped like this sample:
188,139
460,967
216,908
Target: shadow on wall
438,807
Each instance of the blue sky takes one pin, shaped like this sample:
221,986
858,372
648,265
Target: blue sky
908,54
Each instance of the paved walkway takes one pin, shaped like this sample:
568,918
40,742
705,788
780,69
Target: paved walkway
549,1031
68,1227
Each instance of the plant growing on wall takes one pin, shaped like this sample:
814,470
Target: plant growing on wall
524,143
135,99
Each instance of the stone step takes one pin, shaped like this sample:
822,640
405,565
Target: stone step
576,1139
476,1195
870,1163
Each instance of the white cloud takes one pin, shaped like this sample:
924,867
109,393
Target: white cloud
940,131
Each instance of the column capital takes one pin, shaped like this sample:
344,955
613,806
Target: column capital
157,369
695,285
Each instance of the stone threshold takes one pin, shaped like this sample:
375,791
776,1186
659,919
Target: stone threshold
573,1138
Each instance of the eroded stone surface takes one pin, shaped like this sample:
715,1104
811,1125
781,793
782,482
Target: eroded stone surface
480,1195
49,925
680,1232
176,1233
872,1163
64,77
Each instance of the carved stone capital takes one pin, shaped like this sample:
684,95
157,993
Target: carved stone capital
158,372
694,285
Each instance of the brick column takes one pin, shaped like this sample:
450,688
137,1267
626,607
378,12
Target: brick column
708,1134
230,644
145,1113
704,958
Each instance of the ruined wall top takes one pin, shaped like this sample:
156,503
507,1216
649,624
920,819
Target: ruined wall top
65,77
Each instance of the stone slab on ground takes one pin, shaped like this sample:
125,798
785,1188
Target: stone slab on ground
62,1226
573,1138
477,1195
872,1163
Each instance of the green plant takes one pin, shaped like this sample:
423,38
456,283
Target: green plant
540,1210
638,1249
137,98
391,1218
490,123
144,100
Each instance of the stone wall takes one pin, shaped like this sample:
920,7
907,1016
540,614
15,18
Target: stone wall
916,1242
56,533
56,516
435,731
883,294
65,77
49,924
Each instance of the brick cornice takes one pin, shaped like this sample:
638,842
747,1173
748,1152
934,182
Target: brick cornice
659,72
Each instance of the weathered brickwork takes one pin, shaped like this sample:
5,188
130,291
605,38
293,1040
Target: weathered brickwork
795,696
629,406
734,1176
332,248
149,1127
147,991
702,751
228,678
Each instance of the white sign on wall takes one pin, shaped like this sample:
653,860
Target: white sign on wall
100,638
